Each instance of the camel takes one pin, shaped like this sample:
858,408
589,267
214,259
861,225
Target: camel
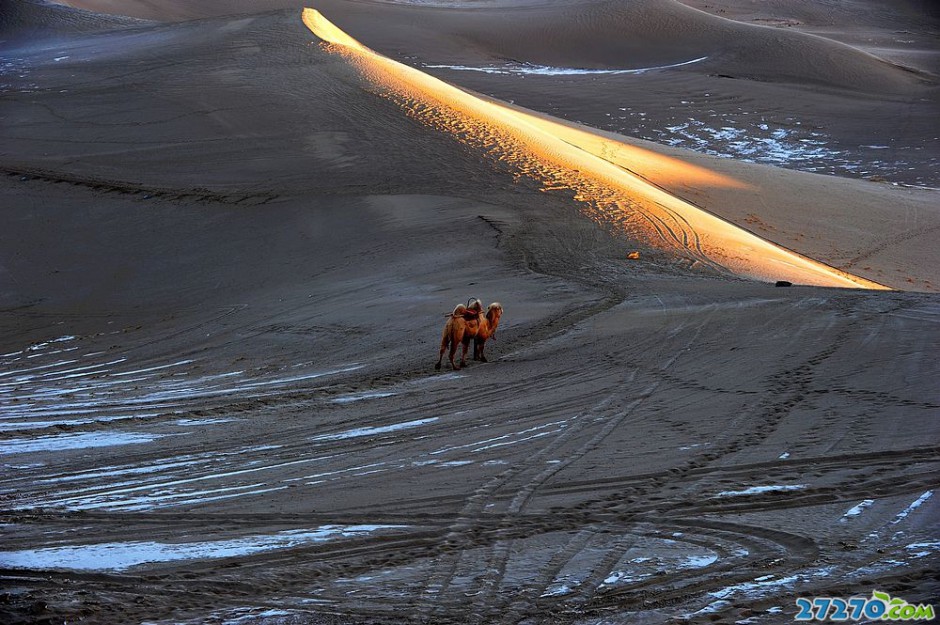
461,326
464,324
487,329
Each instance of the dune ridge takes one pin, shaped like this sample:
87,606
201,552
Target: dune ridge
595,34
562,157
30,19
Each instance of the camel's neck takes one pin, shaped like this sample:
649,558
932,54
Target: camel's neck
488,326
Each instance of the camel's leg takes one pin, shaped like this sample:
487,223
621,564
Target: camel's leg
463,355
455,339
445,339
479,345
440,357
453,352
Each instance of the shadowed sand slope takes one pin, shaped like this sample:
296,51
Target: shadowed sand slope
647,33
904,32
225,260
38,19
599,33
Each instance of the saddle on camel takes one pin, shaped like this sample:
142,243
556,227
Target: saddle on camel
465,323
470,312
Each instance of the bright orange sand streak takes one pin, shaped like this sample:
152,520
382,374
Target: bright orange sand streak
592,166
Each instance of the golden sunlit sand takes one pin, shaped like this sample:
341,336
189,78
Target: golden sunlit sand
595,169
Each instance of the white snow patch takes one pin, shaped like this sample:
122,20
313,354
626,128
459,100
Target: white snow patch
6,426
113,471
914,505
716,606
504,437
177,499
298,378
62,339
547,70
122,556
923,549
456,463
623,577
248,615
76,441
754,490
767,583
157,368
198,422
345,399
698,562
518,440
857,509
384,429
557,590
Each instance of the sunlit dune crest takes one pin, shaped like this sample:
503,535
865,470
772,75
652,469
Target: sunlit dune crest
595,169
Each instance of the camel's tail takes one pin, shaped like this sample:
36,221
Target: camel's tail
447,334
445,341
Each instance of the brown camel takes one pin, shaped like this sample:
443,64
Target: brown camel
487,329
462,325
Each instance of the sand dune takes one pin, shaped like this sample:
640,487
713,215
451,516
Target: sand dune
226,259
585,161
592,34
778,78
638,34
899,32
38,19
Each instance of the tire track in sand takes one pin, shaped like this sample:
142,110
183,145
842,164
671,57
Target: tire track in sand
486,607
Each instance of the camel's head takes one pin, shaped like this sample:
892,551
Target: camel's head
494,311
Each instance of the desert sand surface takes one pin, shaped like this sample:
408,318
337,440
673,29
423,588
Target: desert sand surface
229,245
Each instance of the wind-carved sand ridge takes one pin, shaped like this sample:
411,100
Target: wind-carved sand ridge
594,168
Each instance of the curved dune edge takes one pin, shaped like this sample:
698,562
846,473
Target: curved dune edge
591,166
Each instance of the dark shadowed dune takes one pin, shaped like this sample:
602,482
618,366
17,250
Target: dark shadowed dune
600,34
21,20
903,32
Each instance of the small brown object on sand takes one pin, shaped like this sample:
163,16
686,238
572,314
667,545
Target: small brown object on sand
466,323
